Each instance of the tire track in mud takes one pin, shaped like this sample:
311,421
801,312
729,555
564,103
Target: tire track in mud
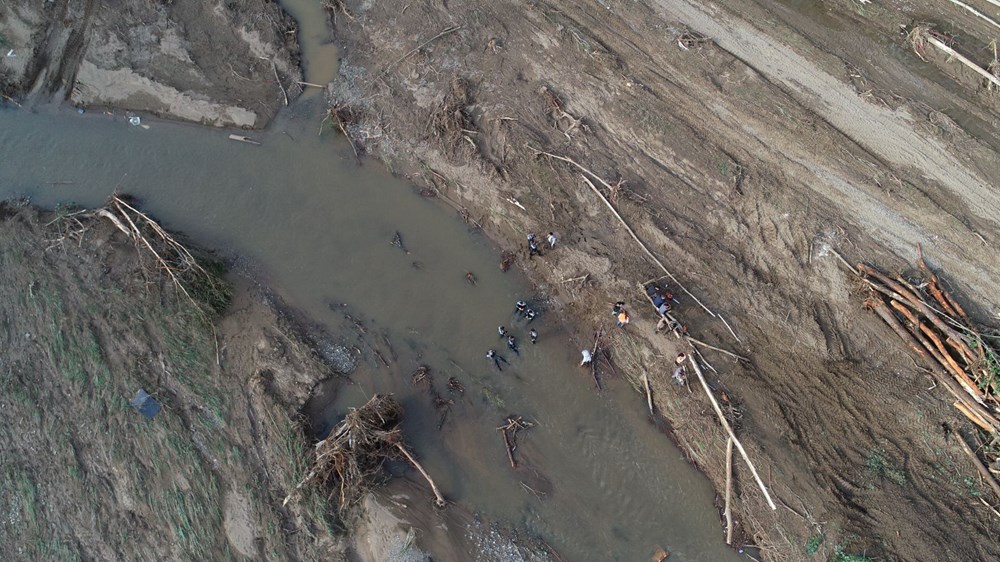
888,134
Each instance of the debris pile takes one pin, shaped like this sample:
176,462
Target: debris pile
350,459
962,357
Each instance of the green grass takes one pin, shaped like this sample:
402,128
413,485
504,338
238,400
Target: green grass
991,381
840,556
724,165
815,541
25,495
880,466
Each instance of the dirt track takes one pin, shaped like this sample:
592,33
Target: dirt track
745,157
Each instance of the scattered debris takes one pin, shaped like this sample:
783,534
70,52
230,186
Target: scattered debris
507,258
242,138
350,460
146,404
509,431
397,241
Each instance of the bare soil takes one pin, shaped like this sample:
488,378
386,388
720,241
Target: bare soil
746,139
213,63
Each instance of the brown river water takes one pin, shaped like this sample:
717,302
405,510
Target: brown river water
317,227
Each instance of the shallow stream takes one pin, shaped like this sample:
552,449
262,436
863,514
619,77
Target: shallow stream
605,484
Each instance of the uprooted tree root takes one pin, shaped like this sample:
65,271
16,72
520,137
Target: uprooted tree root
349,462
203,288
451,123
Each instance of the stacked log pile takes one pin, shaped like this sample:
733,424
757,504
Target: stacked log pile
961,357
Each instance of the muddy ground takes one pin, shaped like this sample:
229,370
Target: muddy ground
197,61
85,321
742,141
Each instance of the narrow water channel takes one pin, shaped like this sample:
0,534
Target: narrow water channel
318,226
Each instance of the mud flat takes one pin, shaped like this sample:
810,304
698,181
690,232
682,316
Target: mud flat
225,64
741,142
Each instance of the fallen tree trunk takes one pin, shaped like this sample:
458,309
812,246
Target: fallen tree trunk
438,498
732,435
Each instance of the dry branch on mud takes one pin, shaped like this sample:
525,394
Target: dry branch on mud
451,124
923,35
349,461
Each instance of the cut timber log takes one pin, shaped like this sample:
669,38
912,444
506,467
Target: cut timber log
972,416
901,293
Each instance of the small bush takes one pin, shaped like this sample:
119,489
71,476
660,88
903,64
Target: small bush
815,541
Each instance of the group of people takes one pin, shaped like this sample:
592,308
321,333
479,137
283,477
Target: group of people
522,311
662,298
533,247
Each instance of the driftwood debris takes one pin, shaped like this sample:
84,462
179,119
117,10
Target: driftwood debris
729,430
170,255
509,432
350,459
729,491
922,35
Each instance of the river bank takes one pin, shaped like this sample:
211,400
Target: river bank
89,319
741,145
740,173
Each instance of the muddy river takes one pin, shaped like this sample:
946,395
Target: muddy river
597,480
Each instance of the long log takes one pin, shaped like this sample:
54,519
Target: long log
593,360
628,228
510,448
964,60
729,430
983,471
729,491
439,499
649,395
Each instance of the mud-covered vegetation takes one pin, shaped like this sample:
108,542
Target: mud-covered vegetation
86,320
